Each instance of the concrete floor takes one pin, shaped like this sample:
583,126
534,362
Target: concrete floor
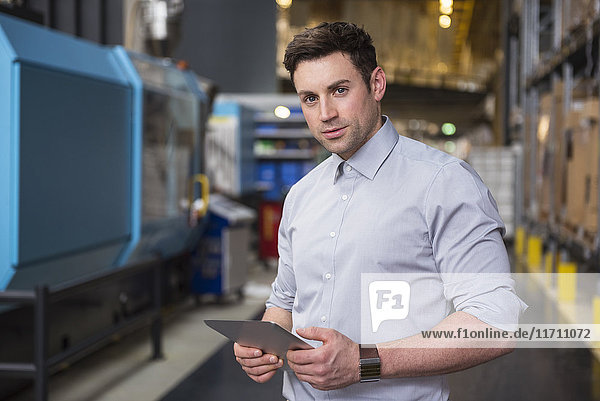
123,371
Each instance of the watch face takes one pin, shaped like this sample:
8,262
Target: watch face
370,370
370,364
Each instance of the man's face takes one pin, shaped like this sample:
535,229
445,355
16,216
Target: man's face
341,113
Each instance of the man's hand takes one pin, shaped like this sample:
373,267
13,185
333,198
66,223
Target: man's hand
258,366
333,365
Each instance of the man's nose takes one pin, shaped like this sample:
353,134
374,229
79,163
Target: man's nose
328,110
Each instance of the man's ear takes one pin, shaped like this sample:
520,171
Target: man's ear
378,83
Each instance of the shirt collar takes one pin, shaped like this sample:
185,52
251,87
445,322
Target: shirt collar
368,159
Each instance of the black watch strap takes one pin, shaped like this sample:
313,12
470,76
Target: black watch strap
370,364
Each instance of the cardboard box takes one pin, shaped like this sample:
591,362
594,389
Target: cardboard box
576,167
575,13
591,113
559,154
544,156
590,217
582,166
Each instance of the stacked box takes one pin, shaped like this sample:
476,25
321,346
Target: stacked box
543,156
497,168
575,13
559,153
582,165
590,214
575,182
551,155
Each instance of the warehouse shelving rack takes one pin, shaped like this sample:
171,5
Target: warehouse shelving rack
546,56
542,53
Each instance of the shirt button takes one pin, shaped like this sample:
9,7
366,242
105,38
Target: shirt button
348,168
328,276
332,234
323,319
344,197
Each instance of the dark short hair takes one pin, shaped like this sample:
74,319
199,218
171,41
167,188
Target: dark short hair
332,37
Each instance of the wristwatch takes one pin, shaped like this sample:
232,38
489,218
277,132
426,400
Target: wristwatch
370,364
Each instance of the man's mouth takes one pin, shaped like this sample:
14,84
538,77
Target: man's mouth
333,133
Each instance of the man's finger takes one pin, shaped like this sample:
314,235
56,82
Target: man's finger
246,352
261,369
266,359
302,357
264,377
315,333
303,369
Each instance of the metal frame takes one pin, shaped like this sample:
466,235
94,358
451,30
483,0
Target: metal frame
42,296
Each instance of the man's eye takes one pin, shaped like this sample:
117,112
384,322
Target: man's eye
310,99
340,91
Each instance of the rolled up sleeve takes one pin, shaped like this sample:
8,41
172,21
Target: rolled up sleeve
466,235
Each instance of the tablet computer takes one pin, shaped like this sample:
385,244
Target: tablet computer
270,337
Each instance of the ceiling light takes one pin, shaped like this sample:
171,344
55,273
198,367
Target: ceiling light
282,112
446,3
446,10
448,129
284,3
445,21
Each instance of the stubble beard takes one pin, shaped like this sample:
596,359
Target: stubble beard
352,140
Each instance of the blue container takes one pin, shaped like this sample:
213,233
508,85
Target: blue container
220,262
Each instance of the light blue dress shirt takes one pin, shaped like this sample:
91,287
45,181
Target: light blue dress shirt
396,210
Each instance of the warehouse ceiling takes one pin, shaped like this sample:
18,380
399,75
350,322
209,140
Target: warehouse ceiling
434,74
412,47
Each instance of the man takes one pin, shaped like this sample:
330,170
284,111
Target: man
381,205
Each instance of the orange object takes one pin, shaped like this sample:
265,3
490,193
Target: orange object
183,65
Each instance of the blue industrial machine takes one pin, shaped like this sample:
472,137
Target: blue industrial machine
100,170
70,156
96,153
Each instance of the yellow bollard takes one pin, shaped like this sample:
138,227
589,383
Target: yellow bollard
567,281
534,253
596,309
519,241
596,315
